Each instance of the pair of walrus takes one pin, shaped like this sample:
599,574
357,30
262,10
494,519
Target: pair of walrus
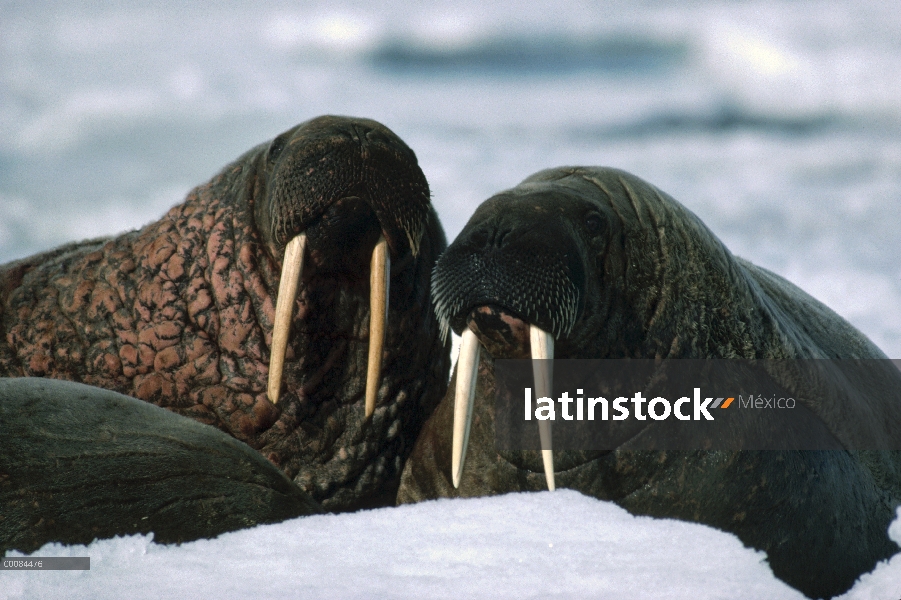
593,262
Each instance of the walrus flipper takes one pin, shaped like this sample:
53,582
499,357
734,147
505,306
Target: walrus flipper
79,463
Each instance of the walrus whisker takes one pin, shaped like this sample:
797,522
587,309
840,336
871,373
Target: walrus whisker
543,370
292,265
380,274
467,370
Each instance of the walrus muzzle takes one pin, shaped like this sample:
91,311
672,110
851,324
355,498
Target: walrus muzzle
347,161
512,286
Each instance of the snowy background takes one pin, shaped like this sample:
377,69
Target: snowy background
778,123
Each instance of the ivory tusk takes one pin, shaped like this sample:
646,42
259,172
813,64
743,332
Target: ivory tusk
380,272
543,370
464,397
292,265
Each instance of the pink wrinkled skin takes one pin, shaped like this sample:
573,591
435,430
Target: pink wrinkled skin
178,314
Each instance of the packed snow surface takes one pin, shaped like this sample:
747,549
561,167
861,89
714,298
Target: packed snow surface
518,546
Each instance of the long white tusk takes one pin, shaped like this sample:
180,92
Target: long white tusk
543,370
380,273
464,398
292,265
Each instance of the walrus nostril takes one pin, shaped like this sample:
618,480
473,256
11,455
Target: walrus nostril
360,134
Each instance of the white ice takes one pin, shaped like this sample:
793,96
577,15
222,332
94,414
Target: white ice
560,544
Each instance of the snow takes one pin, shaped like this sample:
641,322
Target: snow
514,546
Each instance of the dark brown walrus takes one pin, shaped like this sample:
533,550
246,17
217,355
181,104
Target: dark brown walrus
181,313
600,264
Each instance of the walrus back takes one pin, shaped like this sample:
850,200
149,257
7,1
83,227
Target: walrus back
130,313
12,277
818,331
79,463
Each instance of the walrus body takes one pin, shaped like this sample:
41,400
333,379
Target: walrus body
613,268
79,463
180,313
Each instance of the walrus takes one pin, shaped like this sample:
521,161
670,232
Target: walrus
79,462
594,263
285,302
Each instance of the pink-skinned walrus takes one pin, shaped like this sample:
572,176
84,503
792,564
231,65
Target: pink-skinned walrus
285,302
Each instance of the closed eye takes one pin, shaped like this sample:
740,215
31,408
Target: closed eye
594,223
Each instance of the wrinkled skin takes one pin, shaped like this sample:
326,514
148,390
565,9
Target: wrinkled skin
614,268
180,313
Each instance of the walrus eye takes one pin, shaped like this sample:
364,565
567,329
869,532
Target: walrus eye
594,223
276,146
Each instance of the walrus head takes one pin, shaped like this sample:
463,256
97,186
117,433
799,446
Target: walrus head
521,258
514,281
337,189
589,263
328,163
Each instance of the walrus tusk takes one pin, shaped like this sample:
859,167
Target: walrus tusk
464,397
380,272
292,265
543,370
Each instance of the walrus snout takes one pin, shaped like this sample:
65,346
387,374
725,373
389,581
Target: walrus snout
340,242
503,258
338,193
512,282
